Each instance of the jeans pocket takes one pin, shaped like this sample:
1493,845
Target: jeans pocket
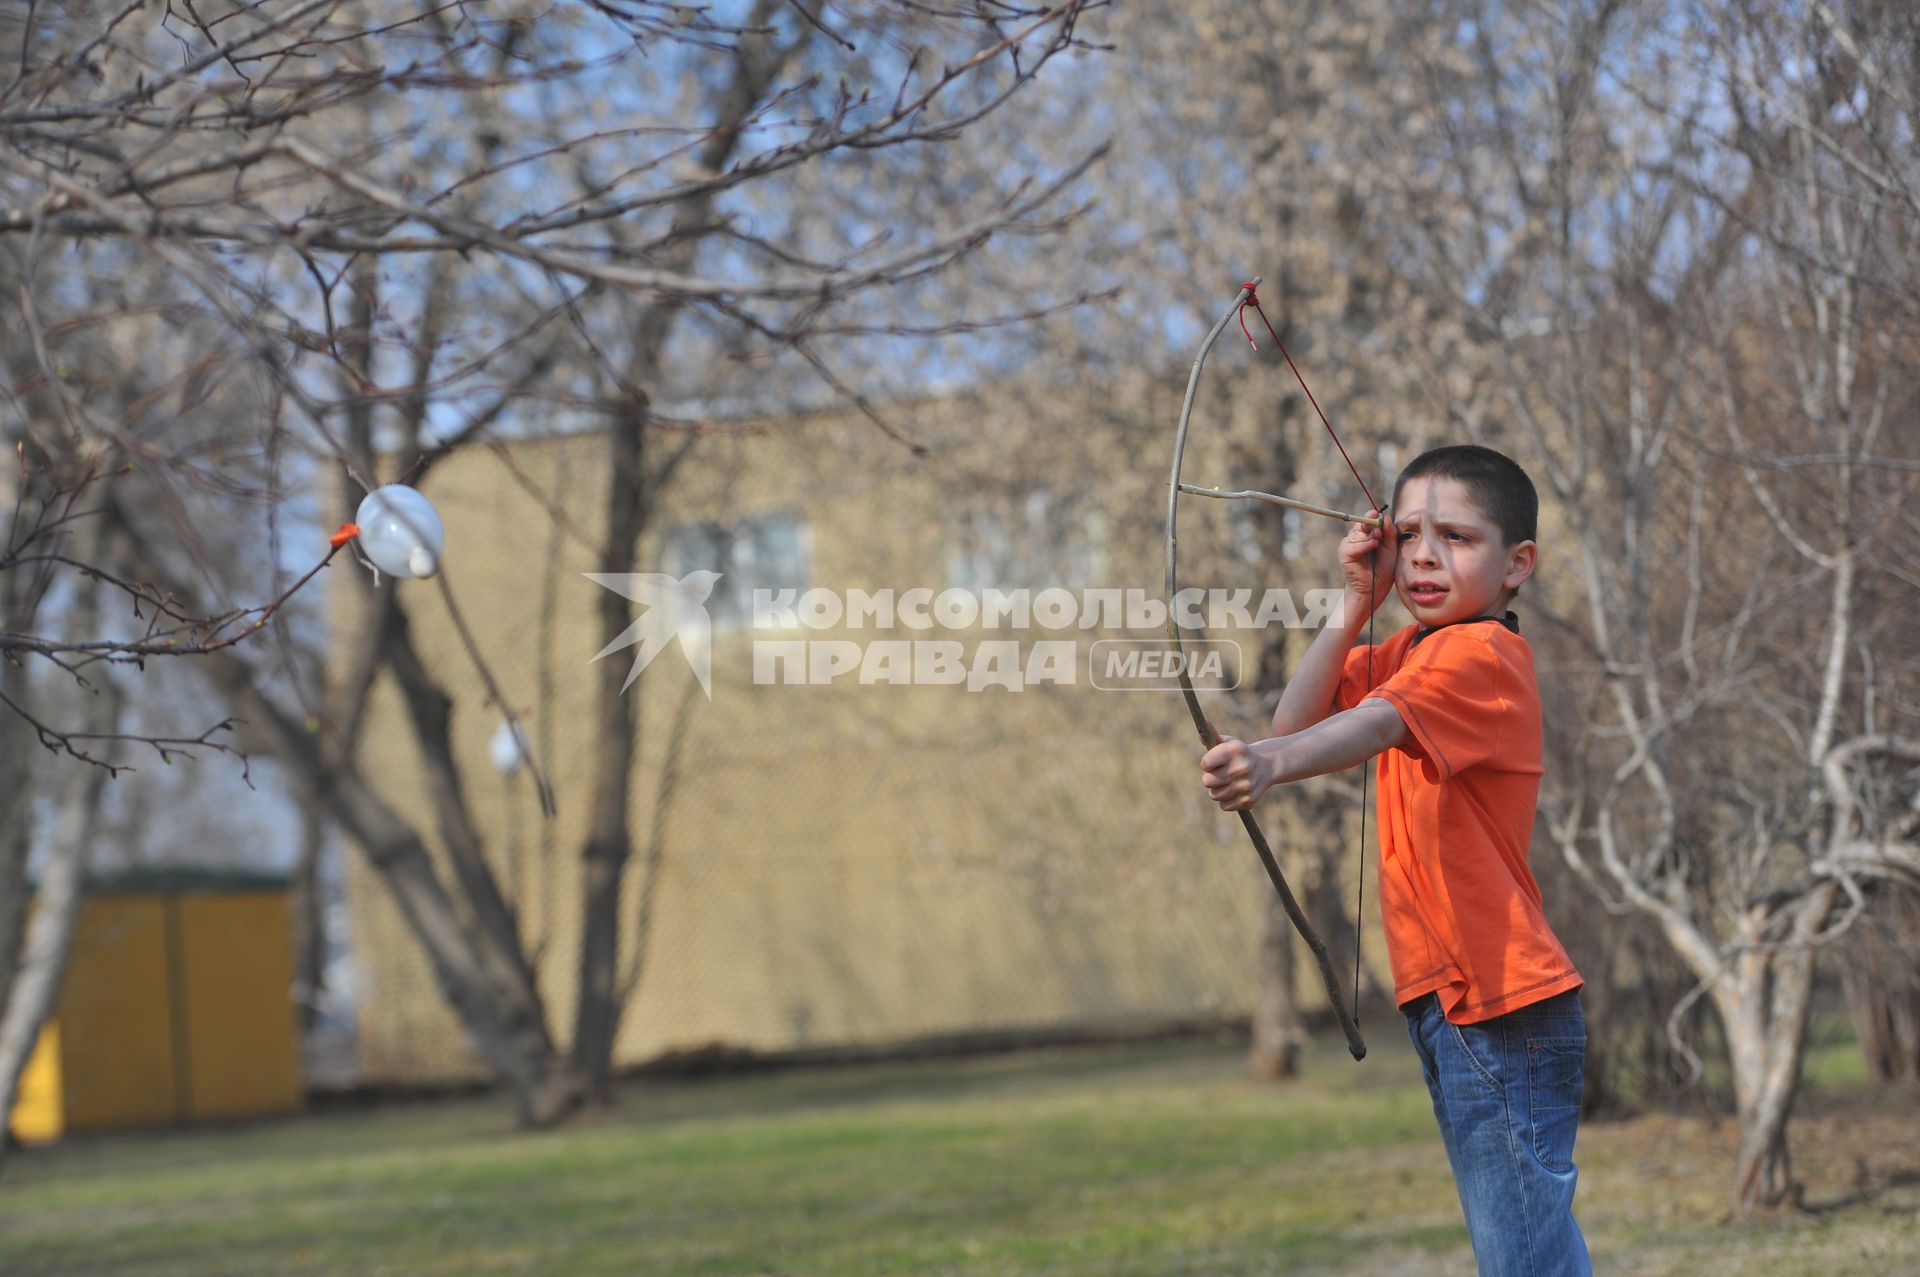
1555,1074
1480,1047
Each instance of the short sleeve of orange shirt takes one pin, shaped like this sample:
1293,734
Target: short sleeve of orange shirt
1462,910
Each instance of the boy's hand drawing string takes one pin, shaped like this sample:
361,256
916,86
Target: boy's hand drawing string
1245,298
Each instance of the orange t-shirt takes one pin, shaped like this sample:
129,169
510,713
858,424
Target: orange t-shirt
1462,910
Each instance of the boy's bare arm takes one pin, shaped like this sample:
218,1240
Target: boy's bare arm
1366,562
1308,696
1238,773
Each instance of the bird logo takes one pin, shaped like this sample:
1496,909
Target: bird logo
675,608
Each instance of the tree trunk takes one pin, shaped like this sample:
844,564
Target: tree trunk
1883,988
17,751
1763,1002
307,909
487,989
485,982
1336,911
1763,1100
34,983
1761,1167
1278,1033
61,897
610,842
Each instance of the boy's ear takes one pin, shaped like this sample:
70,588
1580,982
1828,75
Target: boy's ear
1521,561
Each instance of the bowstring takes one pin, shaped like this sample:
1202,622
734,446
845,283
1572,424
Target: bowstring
1360,892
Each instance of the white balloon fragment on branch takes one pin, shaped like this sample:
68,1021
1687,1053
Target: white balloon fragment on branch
397,531
508,750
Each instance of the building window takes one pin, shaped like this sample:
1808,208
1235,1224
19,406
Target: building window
760,552
1028,540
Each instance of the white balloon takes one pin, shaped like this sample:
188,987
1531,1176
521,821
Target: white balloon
506,751
400,531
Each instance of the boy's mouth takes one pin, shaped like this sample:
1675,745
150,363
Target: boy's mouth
1426,593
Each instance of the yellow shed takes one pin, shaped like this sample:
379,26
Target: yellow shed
176,1007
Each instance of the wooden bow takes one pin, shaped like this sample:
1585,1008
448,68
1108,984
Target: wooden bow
1208,736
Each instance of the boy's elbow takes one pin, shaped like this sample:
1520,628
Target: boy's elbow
1287,720
1293,726
1392,728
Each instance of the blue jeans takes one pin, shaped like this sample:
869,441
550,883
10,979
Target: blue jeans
1506,1093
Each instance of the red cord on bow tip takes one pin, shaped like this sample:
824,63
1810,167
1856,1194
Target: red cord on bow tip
347,532
1253,300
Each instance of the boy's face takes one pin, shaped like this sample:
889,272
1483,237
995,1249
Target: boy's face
1452,563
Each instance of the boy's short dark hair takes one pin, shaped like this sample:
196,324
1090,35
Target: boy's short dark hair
1495,481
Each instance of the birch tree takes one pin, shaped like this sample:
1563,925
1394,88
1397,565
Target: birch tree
33,986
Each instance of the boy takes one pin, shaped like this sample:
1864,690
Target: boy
1453,711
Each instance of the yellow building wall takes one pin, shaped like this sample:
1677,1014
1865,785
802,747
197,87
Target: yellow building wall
820,865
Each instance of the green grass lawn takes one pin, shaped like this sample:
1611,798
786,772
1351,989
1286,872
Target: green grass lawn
1143,1161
